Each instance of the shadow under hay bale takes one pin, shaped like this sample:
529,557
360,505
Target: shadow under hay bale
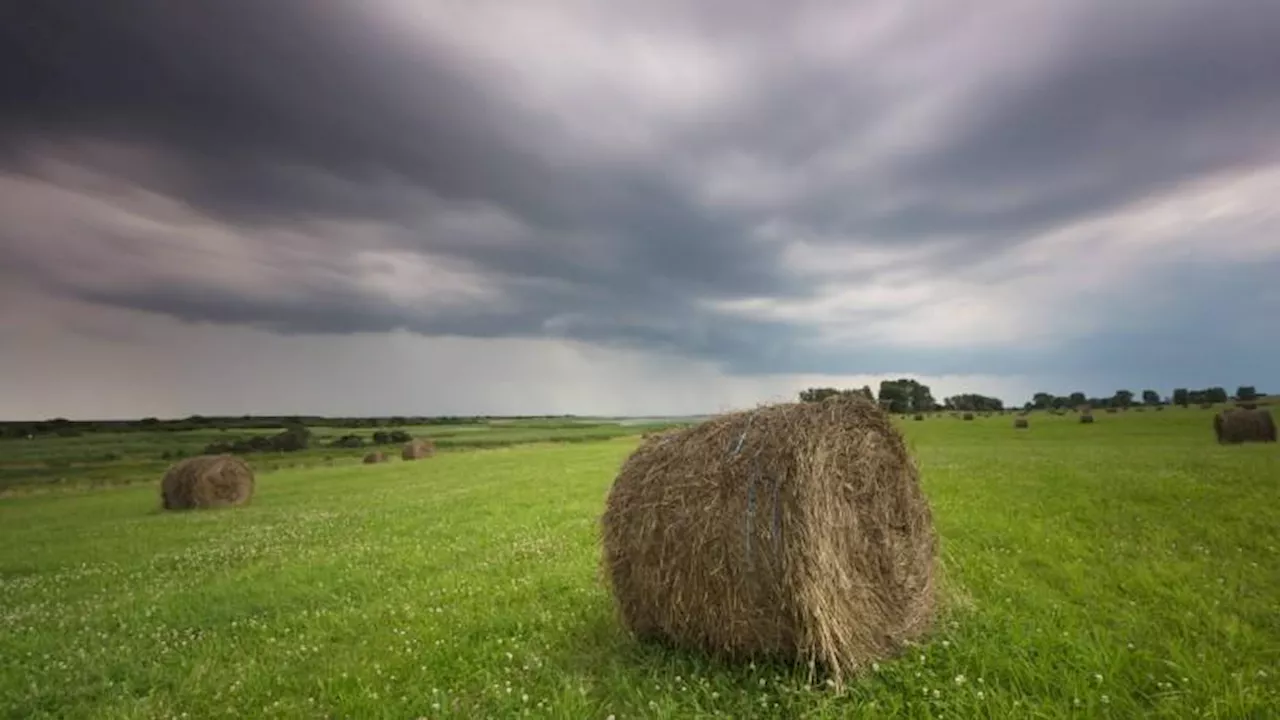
1021,424
207,481
1086,419
967,416
1234,426
374,458
794,531
418,449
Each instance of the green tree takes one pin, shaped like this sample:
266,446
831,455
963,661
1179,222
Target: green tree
817,394
1150,397
1181,397
1077,399
1122,398
1247,393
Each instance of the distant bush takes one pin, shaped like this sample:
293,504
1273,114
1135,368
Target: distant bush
393,437
293,439
348,441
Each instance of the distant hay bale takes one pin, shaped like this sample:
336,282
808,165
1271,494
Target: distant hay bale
207,481
795,531
1159,408
1021,424
1086,418
917,416
967,416
1111,411
418,449
1241,426
374,458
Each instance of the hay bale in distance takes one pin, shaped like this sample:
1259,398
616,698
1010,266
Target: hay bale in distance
794,531
1086,418
918,416
967,416
1241,426
1021,423
207,481
375,457
417,449
1111,411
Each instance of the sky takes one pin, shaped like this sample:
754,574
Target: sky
376,207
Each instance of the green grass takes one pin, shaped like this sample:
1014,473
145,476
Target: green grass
121,458
1125,569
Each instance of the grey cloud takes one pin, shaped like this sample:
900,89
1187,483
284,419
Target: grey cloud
272,115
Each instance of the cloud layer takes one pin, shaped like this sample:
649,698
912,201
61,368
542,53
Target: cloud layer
1072,190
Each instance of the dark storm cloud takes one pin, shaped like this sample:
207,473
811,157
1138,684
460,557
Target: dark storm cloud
272,115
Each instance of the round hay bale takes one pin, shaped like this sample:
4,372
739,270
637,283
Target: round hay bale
1241,426
418,449
1086,419
918,416
1111,411
796,531
207,481
1021,424
967,416
374,458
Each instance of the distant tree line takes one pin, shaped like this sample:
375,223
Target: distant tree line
62,427
905,395
300,437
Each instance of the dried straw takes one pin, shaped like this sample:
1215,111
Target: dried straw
207,481
796,530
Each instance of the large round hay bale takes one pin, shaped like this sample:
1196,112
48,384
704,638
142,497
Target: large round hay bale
1086,419
418,449
207,481
796,531
375,457
1021,423
1234,426
967,416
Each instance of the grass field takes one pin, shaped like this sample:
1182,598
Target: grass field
1126,569
116,458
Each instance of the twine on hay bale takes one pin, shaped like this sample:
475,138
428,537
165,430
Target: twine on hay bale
207,481
374,458
1235,426
796,530
418,449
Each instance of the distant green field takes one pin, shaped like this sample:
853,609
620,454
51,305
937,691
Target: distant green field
115,458
1126,569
